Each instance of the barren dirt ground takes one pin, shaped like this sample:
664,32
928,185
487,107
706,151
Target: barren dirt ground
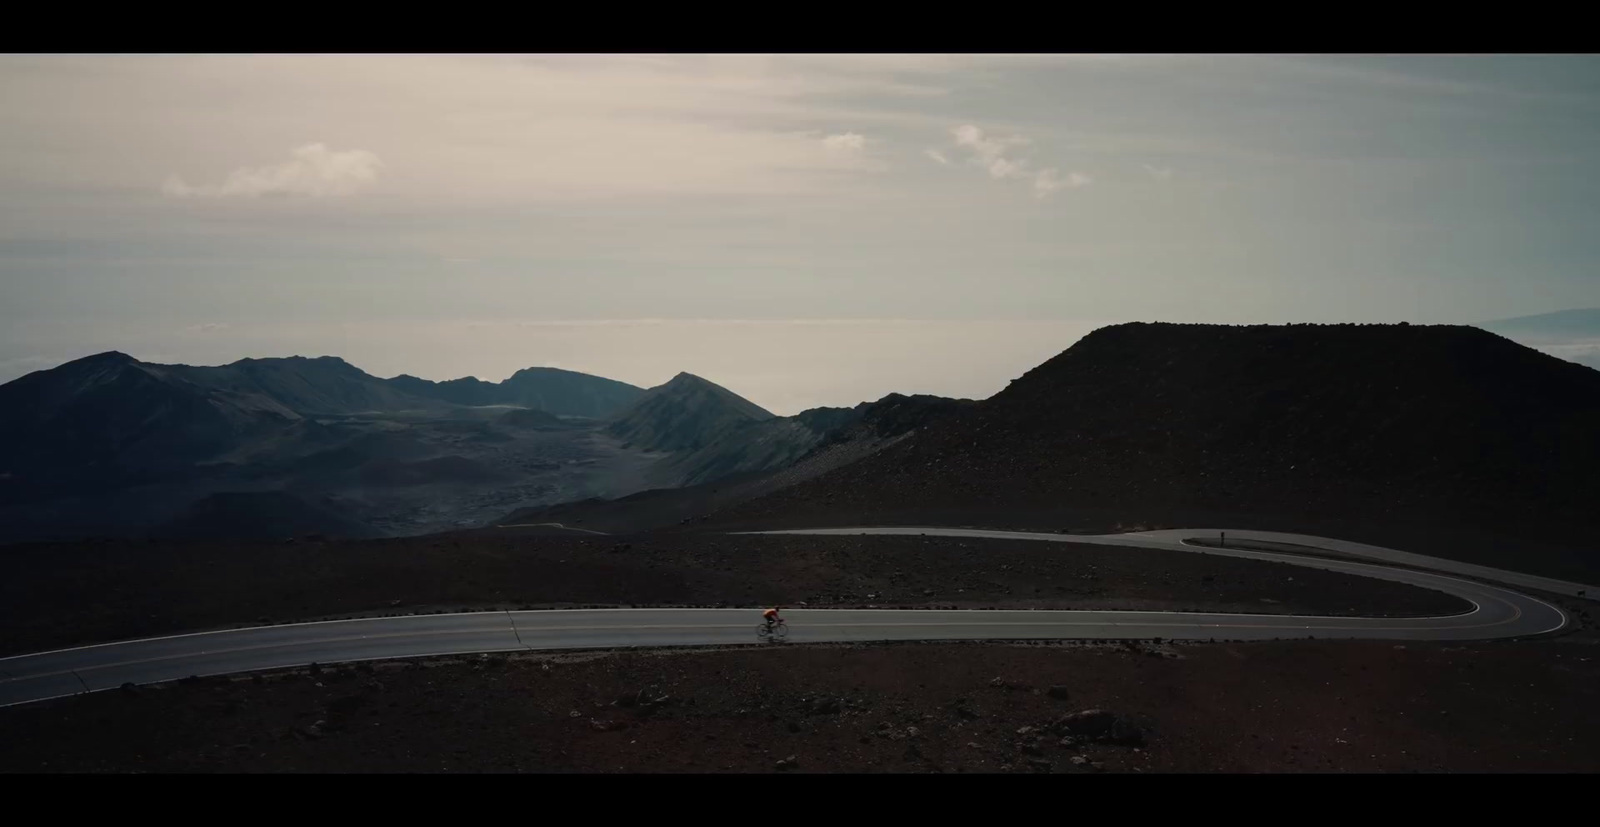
1271,707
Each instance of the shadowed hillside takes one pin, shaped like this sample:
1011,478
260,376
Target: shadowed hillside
1365,423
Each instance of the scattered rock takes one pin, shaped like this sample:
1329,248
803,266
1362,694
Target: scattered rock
1099,725
1078,760
788,763
826,706
1040,764
343,707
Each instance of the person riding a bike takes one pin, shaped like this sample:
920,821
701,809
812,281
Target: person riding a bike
771,617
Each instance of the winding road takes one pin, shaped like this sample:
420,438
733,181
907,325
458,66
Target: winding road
1498,613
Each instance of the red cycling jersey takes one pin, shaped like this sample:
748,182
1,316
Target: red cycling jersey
770,614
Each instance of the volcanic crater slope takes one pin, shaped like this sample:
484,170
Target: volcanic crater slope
1363,422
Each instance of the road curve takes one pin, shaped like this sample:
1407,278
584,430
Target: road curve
1497,613
1177,539
552,525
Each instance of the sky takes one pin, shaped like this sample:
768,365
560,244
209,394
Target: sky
803,229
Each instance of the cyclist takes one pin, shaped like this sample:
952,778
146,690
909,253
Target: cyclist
771,617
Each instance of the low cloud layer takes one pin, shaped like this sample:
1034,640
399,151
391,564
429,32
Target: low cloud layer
312,170
1002,157
845,142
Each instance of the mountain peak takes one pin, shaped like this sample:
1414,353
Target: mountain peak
321,361
108,357
685,414
688,383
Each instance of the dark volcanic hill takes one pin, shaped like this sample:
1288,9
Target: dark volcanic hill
109,420
685,414
556,391
1447,424
309,386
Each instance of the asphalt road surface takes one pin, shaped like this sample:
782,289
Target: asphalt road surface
1498,613
1176,539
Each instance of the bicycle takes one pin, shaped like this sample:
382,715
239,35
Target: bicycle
777,632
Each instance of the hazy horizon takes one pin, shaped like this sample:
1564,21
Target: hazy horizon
803,229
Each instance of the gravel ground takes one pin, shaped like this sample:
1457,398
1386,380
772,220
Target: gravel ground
1311,706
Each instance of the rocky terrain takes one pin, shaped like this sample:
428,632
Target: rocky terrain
758,459
1269,707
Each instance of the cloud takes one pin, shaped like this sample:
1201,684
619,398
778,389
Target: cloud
1007,168
1158,172
937,156
1048,181
845,142
312,170
208,327
986,151
997,156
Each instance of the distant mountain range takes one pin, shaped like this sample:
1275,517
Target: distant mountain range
109,420
1448,425
757,458
110,444
555,391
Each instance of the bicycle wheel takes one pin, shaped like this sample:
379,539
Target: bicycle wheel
761,631
780,631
